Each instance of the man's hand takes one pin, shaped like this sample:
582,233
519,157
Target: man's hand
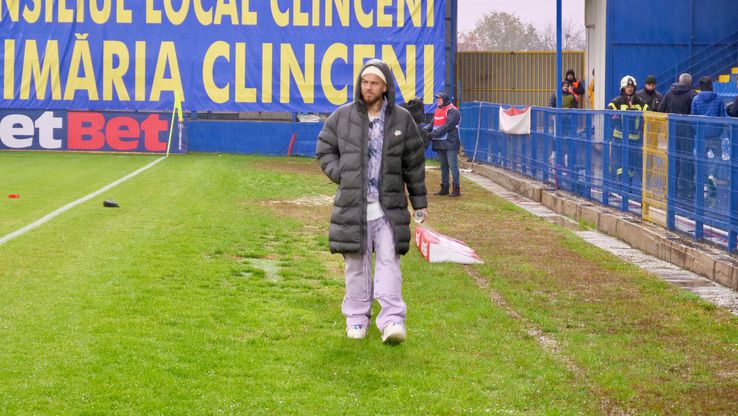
425,135
420,215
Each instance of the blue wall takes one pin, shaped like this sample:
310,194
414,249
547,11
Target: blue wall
651,37
247,137
254,137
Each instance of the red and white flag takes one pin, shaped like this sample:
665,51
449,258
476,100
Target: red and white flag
514,120
436,247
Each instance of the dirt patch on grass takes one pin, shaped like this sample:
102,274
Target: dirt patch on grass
314,211
299,165
549,276
547,342
307,201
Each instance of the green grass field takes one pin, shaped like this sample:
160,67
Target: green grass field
211,291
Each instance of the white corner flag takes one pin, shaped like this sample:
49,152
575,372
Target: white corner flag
436,247
177,110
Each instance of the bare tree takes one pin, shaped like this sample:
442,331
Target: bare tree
572,37
500,31
469,41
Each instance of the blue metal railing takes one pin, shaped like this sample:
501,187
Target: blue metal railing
711,61
599,155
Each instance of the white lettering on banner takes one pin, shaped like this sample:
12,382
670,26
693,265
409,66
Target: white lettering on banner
15,125
17,131
46,125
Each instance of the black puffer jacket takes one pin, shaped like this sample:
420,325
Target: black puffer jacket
678,100
651,99
343,157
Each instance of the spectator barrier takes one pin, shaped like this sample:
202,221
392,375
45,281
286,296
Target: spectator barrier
672,170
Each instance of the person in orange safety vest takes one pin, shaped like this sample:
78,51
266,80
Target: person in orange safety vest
577,88
445,140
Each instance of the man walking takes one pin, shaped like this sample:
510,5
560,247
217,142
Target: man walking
445,139
373,150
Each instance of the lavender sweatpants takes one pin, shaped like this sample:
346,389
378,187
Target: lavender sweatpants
386,286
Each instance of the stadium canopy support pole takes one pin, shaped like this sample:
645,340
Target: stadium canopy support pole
557,76
454,47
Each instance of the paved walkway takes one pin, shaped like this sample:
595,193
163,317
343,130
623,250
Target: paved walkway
701,286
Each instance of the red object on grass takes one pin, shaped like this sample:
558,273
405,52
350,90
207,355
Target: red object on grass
14,196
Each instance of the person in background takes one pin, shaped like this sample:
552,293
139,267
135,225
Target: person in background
708,103
591,91
679,98
679,101
649,95
626,101
567,98
445,141
577,87
416,109
563,121
372,150
732,108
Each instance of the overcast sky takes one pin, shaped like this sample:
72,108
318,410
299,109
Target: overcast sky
537,12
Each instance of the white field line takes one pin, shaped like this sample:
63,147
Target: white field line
71,205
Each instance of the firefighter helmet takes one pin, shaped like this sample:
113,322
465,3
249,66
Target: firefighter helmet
626,81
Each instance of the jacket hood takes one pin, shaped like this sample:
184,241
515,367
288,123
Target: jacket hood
444,96
389,95
681,88
707,96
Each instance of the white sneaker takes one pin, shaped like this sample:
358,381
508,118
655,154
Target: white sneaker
356,331
394,333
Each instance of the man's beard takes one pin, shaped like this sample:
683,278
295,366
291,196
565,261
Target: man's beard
373,101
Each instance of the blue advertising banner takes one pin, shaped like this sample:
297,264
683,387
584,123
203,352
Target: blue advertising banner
220,55
90,131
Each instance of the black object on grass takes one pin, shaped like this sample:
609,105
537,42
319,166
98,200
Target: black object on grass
110,204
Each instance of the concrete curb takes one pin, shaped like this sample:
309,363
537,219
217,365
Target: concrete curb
652,239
